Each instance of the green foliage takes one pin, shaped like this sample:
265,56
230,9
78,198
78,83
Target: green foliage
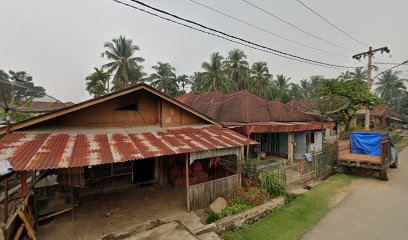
395,137
164,78
250,169
297,217
260,79
212,217
235,208
390,87
245,199
236,67
97,83
215,77
271,183
18,97
356,91
123,62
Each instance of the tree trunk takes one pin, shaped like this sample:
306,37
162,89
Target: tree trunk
125,82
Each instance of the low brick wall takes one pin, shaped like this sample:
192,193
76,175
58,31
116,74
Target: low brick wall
240,220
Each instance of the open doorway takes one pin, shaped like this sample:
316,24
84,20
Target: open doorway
143,171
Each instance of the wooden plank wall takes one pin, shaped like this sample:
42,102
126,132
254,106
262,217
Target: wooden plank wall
203,194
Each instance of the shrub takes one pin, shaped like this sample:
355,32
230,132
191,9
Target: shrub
235,208
212,217
250,169
272,184
245,199
395,137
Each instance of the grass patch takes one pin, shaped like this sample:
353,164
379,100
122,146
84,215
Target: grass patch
300,215
399,146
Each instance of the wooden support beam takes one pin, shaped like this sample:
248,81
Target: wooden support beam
187,183
240,156
23,177
156,170
290,147
5,202
247,151
133,175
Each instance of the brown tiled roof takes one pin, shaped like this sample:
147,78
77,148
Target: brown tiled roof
380,110
243,107
208,104
187,98
307,107
281,112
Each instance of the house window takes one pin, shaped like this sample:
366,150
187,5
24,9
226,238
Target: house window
311,137
131,107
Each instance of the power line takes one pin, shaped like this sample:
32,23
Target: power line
404,62
226,36
390,63
296,27
219,36
331,24
264,30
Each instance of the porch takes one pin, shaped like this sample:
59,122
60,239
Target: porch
112,209
291,146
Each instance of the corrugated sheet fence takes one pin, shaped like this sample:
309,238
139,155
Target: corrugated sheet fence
201,195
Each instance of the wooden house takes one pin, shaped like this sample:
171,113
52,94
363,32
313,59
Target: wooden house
137,132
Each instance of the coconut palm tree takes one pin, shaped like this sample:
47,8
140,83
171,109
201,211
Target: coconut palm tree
315,84
184,80
295,91
359,73
164,78
214,77
282,82
236,67
197,81
282,87
123,62
260,78
390,86
97,83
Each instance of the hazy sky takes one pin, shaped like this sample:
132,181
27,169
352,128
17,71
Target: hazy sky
60,41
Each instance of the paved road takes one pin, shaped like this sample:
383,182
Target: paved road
373,210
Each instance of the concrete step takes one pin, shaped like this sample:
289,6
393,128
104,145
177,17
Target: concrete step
204,229
297,191
209,236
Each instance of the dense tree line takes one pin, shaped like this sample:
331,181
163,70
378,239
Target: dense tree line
233,73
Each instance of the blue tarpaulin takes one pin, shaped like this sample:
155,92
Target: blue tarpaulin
367,143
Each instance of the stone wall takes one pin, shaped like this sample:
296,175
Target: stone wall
240,220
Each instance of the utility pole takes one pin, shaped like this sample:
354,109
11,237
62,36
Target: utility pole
370,53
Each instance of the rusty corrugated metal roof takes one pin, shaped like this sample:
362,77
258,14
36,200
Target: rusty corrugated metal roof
243,107
265,127
64,148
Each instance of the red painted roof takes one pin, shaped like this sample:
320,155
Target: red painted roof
64,148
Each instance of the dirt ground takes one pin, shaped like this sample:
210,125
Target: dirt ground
172,230
109,211
373,209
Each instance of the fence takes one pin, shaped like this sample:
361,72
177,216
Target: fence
278,167
320,166
202,194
